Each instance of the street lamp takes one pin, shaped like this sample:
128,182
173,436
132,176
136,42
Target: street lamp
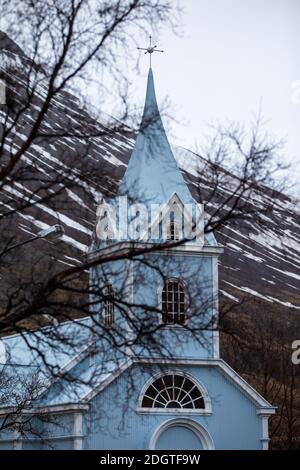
53,232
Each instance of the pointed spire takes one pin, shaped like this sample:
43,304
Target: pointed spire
152,174
151,116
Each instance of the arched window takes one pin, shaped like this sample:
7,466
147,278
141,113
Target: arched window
173,225
173,302
108,305
173,232
173,391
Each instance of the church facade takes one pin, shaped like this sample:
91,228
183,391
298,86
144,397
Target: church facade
174,392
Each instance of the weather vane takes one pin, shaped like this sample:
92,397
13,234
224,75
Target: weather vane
149,50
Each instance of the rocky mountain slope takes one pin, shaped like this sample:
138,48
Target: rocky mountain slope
261,263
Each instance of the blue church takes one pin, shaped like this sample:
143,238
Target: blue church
170,390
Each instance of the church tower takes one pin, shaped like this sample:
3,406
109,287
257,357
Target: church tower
175,286
163,293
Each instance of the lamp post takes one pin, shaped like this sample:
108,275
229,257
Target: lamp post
55,231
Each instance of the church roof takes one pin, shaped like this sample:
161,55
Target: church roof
152,175
65,356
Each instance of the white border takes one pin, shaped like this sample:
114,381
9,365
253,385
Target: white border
215,310
187,301
202,433
207,401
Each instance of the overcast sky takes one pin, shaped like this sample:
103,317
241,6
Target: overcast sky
234,57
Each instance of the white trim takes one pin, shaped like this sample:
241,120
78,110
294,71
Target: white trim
206,250
130,280
244,386
129,293
265,432
61,408
173,411
265,411
216,344
207,401
200,431
17,440
107,310
265,415
68,437
66,368
215,310
133,247
226,370
114,375
219,364
78,431
45,409
187,301
164,212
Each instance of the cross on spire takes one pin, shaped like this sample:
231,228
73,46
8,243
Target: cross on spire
150,49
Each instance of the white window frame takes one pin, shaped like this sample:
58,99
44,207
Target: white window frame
108,306
201,432
186,302
173,233
207,410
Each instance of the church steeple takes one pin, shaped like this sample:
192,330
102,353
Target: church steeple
151,116
152,175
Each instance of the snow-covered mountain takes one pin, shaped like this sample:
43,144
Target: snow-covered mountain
62,175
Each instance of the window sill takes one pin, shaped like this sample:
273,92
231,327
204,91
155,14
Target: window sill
176,411
173,326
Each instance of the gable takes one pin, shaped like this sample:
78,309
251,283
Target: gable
152,174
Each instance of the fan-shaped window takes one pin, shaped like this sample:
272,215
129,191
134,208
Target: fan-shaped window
173,302
108,305
173,391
